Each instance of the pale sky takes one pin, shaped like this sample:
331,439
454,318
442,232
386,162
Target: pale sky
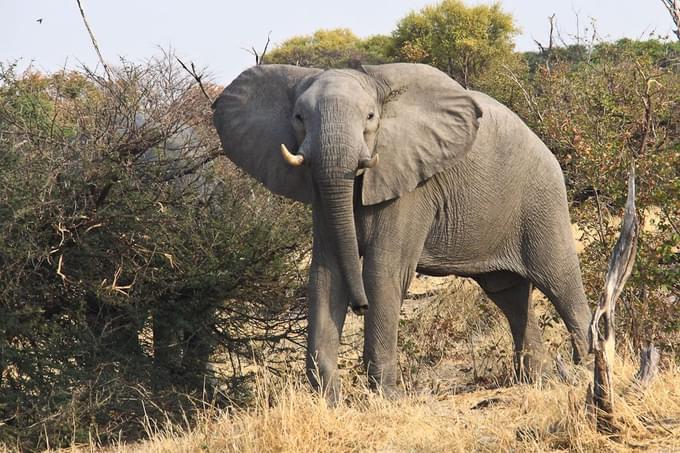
214,33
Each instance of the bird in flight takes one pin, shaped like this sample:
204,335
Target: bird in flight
39,20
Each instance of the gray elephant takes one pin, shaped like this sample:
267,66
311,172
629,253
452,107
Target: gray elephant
407,171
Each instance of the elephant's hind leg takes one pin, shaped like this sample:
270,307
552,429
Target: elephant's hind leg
565,291
512,294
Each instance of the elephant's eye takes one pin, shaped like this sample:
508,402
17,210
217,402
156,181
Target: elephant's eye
298,117
371,115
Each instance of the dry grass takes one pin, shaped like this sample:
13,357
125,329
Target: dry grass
288,418
453,406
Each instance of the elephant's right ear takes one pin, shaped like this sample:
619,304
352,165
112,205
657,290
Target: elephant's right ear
252,117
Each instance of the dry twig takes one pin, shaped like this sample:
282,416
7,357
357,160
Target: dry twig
94,41
259,57
673,7
197,77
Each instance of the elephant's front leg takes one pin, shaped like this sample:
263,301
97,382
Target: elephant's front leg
328,298
385,291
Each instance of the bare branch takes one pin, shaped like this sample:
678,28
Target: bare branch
540,46
527,97
259,57
551,19
94,41
214,154
673,7
197,77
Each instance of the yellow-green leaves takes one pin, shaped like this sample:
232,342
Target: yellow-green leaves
461,41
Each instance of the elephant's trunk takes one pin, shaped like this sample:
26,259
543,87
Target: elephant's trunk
335,180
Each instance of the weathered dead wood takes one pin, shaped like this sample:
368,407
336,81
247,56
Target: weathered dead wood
649,365
602,341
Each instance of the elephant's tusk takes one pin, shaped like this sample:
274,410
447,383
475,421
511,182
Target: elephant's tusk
369,163
292,159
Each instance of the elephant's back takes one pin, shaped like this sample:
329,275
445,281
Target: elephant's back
508,152
505,137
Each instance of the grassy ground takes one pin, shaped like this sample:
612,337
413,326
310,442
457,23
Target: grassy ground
456,362
550,417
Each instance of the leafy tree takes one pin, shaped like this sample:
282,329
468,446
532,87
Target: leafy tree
337,48
461,41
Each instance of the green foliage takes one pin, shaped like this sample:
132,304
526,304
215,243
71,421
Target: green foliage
461,41
129,257
338,48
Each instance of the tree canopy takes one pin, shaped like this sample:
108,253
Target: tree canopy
459,40
336,48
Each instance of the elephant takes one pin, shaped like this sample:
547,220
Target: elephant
407,171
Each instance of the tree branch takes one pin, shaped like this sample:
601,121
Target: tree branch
94,41
197,77
259,57
673,7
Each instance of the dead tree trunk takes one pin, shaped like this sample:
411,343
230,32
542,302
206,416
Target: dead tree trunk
602,341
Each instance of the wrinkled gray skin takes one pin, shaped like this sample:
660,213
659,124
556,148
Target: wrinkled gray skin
462,187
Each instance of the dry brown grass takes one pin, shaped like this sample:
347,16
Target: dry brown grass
451,408
551,417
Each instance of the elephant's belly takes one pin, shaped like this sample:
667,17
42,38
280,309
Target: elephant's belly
441,267
449,252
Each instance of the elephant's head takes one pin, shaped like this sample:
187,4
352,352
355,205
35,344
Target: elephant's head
307,133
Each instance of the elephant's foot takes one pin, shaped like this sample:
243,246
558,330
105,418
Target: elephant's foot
384,382
391,392
326,384
531,365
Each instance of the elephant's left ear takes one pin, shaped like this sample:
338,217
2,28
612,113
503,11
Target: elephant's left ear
427,122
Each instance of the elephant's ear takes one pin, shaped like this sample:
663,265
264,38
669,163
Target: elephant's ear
252,117
427,122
